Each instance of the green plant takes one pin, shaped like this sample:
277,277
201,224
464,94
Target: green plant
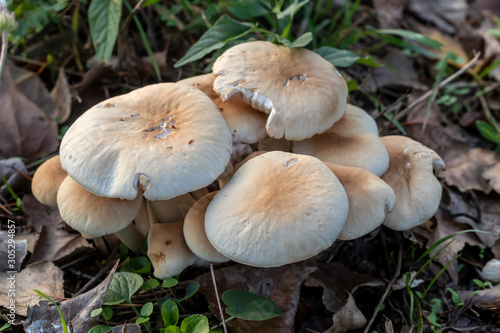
490,131
65,327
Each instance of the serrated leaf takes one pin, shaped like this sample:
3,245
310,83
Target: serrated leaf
249,306
343,58
104,20
122,287
147,309
169,313
195,324
222,32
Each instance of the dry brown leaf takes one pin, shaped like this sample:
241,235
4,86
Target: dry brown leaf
26,130
55,244
61,95
465,170
492,175
349,317
402,75
389,12
445,14
76,311
30,84
281,284
11,170
488,299
21,250
43,276
445,227
336,279
40,215
450,44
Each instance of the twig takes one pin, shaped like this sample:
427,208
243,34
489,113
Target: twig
450,78
389,286
218,300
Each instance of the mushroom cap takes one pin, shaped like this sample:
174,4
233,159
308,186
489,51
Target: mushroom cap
302,93
94,215
46,181
362,150
355,120
166,139
410,174
246,124
277,209
194,231
172,210
168,250
370,199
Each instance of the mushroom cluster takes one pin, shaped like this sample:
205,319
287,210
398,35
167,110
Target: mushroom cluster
294,165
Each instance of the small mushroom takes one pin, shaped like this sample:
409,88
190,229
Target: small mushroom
410,174
491,271
296,209
168,250
46,181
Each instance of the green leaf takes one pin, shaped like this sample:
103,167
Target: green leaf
222,32
147,309
122,287
171,329
5,326
343,58
249,306
104,21
169,313
455,297
299,42
195,324
139,265
107,313
150,284
246,10
100,329
292,9
95,312
412,35
191,289
169,282
487,131
63,322
141,320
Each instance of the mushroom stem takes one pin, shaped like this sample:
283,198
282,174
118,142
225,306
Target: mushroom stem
131,237
152,216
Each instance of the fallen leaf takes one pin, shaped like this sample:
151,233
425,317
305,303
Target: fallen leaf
488,299
11,169
30,84
280,284
76,311
26,129
56,244
349,317
61,95
335,279
43,276
492,175
127,328
40,215
389,12
440,12
445,227
449,43
21,250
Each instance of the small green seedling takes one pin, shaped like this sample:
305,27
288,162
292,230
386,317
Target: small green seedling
63,322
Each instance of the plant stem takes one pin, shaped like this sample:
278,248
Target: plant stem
3,52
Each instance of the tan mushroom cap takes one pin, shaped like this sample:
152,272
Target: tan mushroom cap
172,210
91,214
355,120
362,150
46,181
370,199
168,250
227,177
155,139
302,93
246,124
410,174
277,209
194,231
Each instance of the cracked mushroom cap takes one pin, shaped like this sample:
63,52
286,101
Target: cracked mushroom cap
246,124
165,139
370,199
277,209
411,176
362,150
94,215
194,231
168,250
302,93
355,120
46,181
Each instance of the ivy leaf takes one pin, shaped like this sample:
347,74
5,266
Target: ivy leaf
222,32
104,20
122,287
